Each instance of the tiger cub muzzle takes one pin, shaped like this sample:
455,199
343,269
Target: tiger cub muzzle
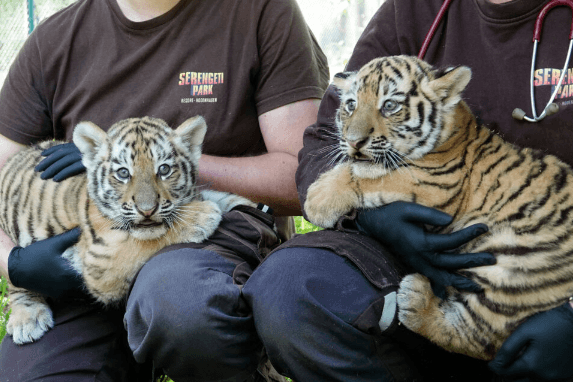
147,207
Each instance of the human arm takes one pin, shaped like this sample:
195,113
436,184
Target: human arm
39,266
400,226
24,118
9,148
266,178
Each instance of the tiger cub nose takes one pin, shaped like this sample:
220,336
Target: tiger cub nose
357,144
147,210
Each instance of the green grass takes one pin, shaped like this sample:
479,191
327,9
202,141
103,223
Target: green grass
303,226
4,313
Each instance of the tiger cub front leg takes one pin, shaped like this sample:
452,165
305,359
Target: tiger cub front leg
444,322
331,196
197,221
30,318
225,200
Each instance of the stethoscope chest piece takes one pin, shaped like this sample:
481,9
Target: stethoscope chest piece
550,108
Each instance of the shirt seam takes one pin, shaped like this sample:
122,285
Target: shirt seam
297,94
506,21
27,138
145,26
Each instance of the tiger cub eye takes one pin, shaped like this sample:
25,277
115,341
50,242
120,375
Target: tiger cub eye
122,173
390,106
164,169
350,105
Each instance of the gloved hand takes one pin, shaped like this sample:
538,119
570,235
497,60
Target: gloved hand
399,226
40,267
62,162
541,348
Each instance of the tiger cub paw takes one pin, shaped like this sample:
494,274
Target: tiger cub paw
28,324
324,207
318,213
225,200
203,219
414,299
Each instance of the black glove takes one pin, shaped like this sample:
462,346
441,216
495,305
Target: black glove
541,348
40,267
62,162
399,226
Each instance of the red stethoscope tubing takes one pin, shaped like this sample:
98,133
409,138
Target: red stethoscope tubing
543,13
536,33
433,28
519,114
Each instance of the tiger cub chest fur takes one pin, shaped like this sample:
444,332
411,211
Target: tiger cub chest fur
138,195
406,135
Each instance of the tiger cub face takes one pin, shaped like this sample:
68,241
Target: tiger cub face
393,110
141,173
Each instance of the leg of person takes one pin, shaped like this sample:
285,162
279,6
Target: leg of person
87,343
305,319
318,317
186,313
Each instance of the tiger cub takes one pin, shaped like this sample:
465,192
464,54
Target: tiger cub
407,135
137,196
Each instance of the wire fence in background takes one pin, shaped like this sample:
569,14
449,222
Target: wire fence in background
17,19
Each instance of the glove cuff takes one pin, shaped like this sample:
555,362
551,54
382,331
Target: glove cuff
13,262
567,310
358,217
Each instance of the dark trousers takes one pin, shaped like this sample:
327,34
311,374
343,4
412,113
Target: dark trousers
191,313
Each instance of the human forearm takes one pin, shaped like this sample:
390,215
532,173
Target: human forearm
6,246
267,178
7,149
321,149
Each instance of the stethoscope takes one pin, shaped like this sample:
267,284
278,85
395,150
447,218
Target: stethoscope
550,108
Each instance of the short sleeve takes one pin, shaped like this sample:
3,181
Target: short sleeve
24,111
292,65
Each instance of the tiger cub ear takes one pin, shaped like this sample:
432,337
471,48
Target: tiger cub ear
450,84
88,138
189,136
343,81
192,131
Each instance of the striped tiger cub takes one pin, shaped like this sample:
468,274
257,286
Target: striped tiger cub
137,196
406,135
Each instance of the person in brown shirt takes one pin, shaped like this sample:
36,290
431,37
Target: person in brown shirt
254,71
493,38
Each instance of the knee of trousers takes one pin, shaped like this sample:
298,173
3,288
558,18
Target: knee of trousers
185,313
304,290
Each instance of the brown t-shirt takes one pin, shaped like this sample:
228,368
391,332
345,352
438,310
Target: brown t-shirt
226,60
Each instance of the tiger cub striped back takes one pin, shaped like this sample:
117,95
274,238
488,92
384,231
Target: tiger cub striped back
137,196
406,135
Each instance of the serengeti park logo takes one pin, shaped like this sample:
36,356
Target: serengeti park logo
202,85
